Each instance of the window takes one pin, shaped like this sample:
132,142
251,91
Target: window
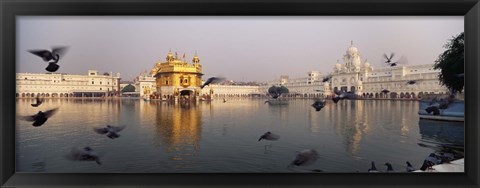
93,82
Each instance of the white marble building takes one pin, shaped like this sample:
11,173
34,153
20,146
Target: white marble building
364,80
67,85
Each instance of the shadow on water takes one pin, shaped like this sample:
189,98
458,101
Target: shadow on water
443,136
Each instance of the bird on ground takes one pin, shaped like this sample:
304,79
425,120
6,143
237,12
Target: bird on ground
436,105
304,158
38,101
212,80
343,95
389,167
410,167
269,136
40,118
446,157
318,105
51,57
411,82
373,168
87,154
430,161
110,131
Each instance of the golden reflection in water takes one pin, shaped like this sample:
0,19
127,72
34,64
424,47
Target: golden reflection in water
178,128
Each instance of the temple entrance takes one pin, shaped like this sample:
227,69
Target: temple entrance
187,95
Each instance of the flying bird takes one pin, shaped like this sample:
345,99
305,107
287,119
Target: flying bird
40,118
304,158
318,105
51,57
389,167
327,78
269,136
87,154
110,131
410,167
389,61
212,80
224,100
411,82
343,95
385,91
430,161
373,168
38,102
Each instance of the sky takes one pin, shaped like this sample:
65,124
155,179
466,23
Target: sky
241,48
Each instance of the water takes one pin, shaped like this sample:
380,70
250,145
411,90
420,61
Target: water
163,137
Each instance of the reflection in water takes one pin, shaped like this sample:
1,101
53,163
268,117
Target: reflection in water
165,137
178,126
443,136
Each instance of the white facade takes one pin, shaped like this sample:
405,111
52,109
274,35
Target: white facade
231,91
66,85
364,80
146,85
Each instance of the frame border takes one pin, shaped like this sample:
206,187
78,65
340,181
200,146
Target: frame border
9,9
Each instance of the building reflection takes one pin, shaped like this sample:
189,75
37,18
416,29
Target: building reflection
443,136
178,128
353,120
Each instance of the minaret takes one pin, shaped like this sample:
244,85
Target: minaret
195,59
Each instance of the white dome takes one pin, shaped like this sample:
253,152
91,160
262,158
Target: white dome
352,50
366,64
338,66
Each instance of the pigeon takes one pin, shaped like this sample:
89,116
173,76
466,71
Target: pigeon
110,131
434,109
51,57
327,78
343,95
385,91
446,157
389,167
224,100
40,118
373,168
38,102
87,154
318,105
430,161
212,80
410,167
388,61
411,82
305,157
269,136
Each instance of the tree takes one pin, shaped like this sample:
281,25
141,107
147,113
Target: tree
451,64
276,91
129,88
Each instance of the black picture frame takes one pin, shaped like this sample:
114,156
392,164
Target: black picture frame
9,9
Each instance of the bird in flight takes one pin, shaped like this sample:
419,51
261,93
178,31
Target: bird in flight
305,157
51,57
318,105
87,154
212,80
110,131
38,101
269,136
40,118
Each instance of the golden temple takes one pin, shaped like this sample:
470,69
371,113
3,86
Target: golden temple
176,78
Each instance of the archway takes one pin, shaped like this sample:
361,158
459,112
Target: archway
402,95
186,94
376,95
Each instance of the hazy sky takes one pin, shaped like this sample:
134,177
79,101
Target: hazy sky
240,48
